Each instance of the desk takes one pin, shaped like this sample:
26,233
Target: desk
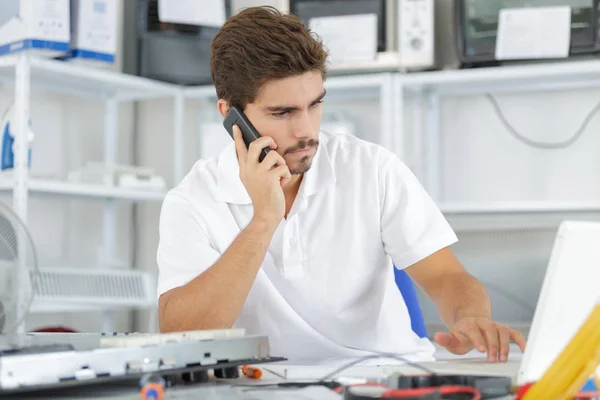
228,390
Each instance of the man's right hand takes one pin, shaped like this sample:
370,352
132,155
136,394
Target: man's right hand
263,180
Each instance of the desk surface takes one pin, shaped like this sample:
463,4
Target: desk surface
244,388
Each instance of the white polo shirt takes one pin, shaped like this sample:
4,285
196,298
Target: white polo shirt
326,287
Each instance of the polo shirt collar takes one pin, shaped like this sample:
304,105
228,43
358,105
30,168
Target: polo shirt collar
232,190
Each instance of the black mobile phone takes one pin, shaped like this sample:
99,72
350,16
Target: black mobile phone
235,116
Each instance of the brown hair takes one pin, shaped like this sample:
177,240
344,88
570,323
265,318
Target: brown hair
259,44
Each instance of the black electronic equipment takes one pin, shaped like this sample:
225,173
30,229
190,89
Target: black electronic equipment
476,27
307,9
176,53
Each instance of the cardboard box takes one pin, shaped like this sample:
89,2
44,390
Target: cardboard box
93,31
39,26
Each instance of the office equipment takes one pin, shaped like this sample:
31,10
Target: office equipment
68,360
478,23
308,10
404,30
569,292
159,43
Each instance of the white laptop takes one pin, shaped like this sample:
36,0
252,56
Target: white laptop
570,291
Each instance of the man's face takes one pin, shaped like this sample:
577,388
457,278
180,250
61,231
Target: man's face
289,110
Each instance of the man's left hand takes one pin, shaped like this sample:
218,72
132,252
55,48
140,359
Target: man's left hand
484,335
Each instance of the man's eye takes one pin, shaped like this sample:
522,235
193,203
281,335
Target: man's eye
280,114
317,103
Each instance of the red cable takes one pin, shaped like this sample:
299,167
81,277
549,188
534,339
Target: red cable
417,392
443,390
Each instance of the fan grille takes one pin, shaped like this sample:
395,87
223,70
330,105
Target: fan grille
61,284
123,287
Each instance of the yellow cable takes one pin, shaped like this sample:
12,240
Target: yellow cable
574,366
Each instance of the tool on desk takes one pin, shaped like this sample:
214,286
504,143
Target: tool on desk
251,372
152,387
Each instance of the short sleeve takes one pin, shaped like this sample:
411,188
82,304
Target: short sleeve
412,225
184,249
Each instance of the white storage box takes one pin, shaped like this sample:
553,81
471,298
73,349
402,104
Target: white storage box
39,26
93,32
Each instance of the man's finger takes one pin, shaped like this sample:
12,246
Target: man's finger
282,172
518,338
271,160
491,337
452,343
240,146
286,178
504,338
256,147
477,339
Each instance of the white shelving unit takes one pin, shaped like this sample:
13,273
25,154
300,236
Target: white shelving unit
27,72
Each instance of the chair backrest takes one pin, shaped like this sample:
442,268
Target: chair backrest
407,288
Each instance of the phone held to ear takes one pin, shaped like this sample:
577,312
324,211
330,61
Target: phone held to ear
235,116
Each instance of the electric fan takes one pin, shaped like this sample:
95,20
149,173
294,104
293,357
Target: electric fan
18,270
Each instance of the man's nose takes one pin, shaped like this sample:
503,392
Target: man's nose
302,126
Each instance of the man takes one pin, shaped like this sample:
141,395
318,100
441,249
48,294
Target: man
301,246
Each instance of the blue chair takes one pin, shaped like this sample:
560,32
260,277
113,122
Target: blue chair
407,289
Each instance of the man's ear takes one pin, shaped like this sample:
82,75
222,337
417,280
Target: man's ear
223,107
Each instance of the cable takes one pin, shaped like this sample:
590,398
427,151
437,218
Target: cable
325,380
375,390
378,355
543,145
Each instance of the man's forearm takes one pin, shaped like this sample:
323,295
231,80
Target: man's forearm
462,295
214,299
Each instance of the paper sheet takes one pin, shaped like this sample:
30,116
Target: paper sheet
347,37
192,12
534,33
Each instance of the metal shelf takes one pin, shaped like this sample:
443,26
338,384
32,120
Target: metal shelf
86,82
384,62
518,207
357,85
86,191
42,306
543,76
520,215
